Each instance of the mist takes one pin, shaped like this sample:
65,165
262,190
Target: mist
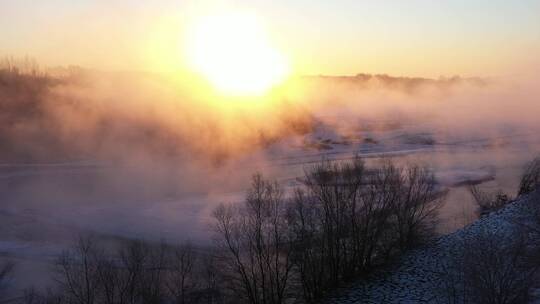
142,155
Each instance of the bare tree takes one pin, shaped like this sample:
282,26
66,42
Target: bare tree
182,282
77,271
348,219
142,272
153,280
255,244
33,296
416,208
378,222
334,190
309,250
109,277
6,272
210,285
530,179
120,274
137,272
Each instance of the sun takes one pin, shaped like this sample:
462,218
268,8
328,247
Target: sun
233,51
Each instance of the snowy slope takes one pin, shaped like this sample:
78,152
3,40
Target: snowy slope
415,279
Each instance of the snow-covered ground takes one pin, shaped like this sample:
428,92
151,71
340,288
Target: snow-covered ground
415,280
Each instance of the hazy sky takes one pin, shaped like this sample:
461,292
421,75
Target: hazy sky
414,37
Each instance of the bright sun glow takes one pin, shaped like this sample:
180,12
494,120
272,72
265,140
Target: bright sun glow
234,53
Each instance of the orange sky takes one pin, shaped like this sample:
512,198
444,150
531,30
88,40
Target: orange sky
423,38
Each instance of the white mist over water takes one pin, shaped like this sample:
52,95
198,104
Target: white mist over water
135,156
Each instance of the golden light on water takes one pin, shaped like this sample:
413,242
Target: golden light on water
233,51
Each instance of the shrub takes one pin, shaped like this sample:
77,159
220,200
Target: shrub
488,202
348,219
530,179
